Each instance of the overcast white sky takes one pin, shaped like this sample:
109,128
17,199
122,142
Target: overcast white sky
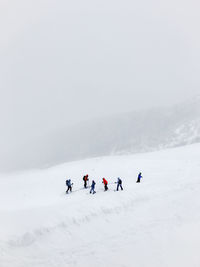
66,61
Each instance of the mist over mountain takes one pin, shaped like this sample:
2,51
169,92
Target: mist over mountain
132,132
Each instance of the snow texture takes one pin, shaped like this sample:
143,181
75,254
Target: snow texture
151,224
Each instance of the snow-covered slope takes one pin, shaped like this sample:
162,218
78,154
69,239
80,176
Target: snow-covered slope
185,133
152,224
128,133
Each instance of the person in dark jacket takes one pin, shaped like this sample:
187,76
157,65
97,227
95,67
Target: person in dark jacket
119,184
139,177
69,186
105,184
93,187
85,179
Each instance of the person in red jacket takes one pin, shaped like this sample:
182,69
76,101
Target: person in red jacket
105,184
85,179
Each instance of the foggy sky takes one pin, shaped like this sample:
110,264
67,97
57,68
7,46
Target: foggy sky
63,62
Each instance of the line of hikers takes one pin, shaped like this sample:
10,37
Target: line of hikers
69,184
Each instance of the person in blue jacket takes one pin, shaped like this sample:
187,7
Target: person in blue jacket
93,187
69,186
139,177
119,184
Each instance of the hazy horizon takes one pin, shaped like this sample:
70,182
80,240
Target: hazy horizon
66,62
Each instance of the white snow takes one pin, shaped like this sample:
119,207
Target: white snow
152,224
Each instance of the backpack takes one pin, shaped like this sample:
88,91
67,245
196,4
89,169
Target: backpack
119,181
85,178
67,182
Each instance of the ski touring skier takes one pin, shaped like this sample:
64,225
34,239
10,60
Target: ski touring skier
105,184
93,187
139,177
85,179
119,184
69,186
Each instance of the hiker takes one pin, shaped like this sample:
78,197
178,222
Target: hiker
119,184
93,187
85,179
69,186
139,177
105,184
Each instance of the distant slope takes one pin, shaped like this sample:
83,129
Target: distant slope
129,133
133,132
